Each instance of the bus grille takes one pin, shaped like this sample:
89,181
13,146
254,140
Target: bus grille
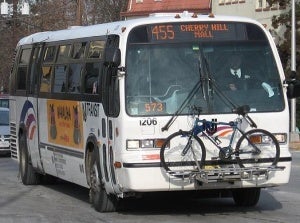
13,141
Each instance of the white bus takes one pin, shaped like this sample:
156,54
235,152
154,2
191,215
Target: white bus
88,104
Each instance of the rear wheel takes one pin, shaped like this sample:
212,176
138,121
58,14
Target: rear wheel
180,164
28,175
246,197
101,201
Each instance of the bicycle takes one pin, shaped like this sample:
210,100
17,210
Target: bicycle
183,152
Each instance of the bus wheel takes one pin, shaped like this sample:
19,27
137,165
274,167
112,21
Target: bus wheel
246,197
101,201
28,175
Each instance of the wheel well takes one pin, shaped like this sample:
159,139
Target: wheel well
89,151
22,131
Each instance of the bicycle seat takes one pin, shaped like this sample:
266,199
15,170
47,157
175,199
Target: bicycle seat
241,110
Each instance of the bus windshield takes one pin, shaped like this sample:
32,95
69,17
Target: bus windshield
230,70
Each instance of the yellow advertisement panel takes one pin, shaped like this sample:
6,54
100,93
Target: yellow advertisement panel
65,123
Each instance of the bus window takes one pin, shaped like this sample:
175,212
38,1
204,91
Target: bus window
59,83
21,78
34,70
74,78
49,54
78,50
63,53
25,56
46,79
22,69
96,49
91,78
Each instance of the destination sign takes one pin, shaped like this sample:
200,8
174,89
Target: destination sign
195,31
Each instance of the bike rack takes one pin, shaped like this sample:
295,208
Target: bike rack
229,174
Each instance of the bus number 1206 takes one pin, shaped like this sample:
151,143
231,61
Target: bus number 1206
148,121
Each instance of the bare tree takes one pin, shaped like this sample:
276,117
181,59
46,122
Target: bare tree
47,15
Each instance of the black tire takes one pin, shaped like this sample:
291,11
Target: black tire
246,197
269,147
101,201
28,175
177,164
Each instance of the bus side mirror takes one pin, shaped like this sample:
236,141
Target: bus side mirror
113,57
293,89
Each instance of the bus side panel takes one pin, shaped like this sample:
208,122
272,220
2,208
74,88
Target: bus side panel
46,155
63,139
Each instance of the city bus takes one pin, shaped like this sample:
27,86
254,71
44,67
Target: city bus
89,104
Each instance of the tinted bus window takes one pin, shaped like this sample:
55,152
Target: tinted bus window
59,83
46,79
50,54
91,79
25,57
78,50
74,78
96,49
63,53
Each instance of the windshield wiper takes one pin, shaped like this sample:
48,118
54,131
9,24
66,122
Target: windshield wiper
202,83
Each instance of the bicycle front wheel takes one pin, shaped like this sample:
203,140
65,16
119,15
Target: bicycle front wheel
182,153
257,148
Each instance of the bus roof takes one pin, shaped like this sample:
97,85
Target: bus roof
121,27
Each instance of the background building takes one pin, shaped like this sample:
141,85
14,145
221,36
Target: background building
259,10
142,8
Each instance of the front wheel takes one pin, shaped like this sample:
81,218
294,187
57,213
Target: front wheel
180,164
246,197
28,175
101,201
257,148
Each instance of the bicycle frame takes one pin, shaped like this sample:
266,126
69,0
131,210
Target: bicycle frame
209,127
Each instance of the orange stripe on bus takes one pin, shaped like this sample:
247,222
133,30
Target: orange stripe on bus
151,157
225,132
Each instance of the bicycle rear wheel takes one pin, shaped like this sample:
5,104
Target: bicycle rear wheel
174,161
257,148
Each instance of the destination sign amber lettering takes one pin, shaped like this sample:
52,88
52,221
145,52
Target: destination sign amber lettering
203,30
194,28
219,27
165,32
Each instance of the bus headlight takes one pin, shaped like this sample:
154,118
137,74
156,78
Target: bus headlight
133,144
144,143
147,143
259,138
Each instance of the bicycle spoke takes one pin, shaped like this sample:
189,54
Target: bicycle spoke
175,161
257,148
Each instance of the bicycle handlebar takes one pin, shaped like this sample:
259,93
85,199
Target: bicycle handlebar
196,109
243,111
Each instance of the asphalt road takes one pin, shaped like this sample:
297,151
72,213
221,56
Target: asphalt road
65,202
